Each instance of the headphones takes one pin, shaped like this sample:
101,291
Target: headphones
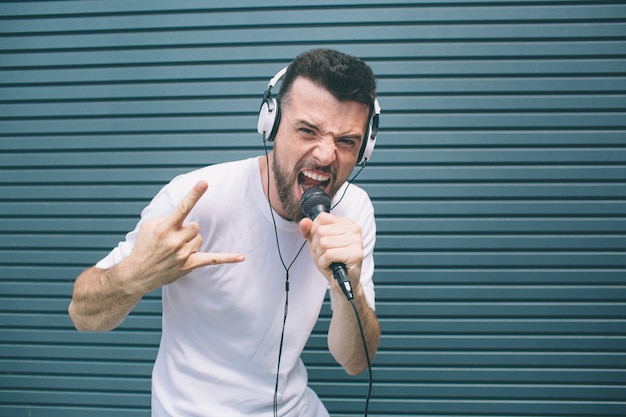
269,120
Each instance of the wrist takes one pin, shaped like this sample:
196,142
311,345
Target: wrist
123,280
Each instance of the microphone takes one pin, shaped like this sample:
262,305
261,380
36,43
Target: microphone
313,202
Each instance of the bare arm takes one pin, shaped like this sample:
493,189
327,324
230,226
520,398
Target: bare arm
334,239
166,249
344,336
100,300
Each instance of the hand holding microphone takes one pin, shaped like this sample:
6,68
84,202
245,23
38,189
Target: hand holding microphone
315,201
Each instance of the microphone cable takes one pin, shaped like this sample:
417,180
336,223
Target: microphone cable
356,311
367,357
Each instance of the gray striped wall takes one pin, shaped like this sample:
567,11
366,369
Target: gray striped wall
499,182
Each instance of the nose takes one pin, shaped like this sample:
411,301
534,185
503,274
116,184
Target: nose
325,151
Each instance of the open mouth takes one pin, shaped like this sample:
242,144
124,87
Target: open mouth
309,179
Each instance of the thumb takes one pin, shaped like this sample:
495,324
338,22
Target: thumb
305,228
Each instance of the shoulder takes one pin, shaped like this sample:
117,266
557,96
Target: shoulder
354,202
351,197
221,172
223,176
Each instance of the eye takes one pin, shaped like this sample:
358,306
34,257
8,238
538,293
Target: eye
347,143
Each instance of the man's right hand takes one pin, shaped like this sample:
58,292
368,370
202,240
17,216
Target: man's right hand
167,248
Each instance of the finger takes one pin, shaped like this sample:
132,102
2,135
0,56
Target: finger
194,244
205,258
189,231
305,228
188,202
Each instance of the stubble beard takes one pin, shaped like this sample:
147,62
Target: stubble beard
284,187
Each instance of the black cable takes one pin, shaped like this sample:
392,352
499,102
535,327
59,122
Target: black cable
280,348
358,317
356,312
367,357
348,184
287,268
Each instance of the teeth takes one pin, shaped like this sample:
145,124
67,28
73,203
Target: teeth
316,177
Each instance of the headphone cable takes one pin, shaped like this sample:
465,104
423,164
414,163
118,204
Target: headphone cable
287,268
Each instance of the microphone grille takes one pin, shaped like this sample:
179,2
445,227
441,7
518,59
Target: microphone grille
314,197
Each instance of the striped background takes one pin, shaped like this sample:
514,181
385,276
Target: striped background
499,182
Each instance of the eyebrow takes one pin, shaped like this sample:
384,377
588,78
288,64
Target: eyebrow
317,129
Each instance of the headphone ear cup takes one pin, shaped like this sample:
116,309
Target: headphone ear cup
269,119
368,147
372,132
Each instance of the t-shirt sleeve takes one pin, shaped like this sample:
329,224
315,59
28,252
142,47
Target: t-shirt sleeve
160,206
368,226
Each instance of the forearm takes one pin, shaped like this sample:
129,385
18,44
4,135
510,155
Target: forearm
101,300
344,336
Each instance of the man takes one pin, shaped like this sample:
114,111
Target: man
229,263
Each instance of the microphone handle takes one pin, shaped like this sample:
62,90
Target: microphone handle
341,275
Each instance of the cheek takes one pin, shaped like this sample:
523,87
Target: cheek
347,162
284,168
287,151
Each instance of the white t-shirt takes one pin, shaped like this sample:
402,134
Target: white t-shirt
222,324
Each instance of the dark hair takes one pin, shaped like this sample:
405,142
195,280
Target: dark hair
346,77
